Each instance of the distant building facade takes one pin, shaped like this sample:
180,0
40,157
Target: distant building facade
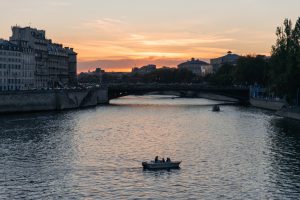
144,70
198,67
72,66
206,70
31,61
10,66
16,67
230,58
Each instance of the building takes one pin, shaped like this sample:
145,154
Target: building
17,67
198,67
10,66
144,70
206,70
28,71
72,66
55,65
230,58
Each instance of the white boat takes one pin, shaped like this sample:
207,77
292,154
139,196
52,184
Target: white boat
158,165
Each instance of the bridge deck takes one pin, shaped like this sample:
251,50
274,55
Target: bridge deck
119,90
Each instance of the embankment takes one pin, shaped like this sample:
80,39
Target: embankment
192,94
46,100
290,112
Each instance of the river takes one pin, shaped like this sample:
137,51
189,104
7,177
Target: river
96,153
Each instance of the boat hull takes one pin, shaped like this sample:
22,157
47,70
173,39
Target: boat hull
161,165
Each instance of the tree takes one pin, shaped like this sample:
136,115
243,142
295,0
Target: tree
285,60
224,76
251,70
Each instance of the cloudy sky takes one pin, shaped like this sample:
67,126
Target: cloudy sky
120,34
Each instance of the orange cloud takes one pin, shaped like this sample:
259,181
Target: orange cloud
114,39
125,65
120,45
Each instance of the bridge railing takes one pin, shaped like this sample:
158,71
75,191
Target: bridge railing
176,85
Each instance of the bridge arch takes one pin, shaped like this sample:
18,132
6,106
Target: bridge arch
185,90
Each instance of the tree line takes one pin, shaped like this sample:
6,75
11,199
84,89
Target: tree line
161,75
166,75
280,73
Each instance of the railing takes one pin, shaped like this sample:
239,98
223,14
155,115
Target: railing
175,85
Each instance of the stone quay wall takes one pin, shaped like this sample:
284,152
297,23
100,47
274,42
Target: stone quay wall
47,100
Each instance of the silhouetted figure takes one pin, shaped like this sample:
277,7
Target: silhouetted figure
156,159
216,108
168,160
163,160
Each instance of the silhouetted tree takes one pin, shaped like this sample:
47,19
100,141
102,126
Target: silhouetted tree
251,70
285,60
224,76
89,78
168,75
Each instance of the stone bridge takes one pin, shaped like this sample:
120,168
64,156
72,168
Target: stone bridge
183,90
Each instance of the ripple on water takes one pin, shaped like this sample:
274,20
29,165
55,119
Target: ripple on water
239,153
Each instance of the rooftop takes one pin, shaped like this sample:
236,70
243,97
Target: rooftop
7,45
195,61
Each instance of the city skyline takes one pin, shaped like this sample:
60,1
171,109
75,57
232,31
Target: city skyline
120,35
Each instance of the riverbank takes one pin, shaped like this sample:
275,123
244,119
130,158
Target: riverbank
267,103
204,95
49,100
290,112
217,97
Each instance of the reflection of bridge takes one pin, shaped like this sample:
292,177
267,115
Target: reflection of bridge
184,90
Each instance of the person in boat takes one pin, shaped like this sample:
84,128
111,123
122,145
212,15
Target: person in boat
168,160
156,159
163,160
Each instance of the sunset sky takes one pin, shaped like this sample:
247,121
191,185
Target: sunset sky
119,34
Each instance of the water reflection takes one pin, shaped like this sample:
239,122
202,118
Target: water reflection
284,154
239,153
37,152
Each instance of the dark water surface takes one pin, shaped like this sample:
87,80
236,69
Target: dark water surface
238,153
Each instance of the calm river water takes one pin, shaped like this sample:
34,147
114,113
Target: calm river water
96,153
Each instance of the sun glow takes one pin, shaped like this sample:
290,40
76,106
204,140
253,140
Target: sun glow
163,33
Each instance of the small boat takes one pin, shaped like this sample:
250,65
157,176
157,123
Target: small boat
216,108
160,164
